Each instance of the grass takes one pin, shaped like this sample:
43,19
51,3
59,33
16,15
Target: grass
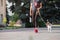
10,27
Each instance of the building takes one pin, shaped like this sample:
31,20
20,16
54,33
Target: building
2,10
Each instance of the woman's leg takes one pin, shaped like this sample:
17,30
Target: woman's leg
33,17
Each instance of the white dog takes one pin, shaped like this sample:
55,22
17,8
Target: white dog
49,26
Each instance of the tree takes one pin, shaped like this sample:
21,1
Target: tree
18,8
50,10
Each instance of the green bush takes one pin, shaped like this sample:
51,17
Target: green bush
28,24
40,22
23,16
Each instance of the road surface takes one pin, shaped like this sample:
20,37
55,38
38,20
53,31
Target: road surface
29,34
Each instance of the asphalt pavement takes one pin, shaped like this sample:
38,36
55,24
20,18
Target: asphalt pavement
29,34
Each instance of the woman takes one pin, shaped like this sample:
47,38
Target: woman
34,10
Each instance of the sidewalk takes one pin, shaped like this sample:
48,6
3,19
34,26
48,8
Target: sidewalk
29,34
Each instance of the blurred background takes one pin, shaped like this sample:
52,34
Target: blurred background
15,13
